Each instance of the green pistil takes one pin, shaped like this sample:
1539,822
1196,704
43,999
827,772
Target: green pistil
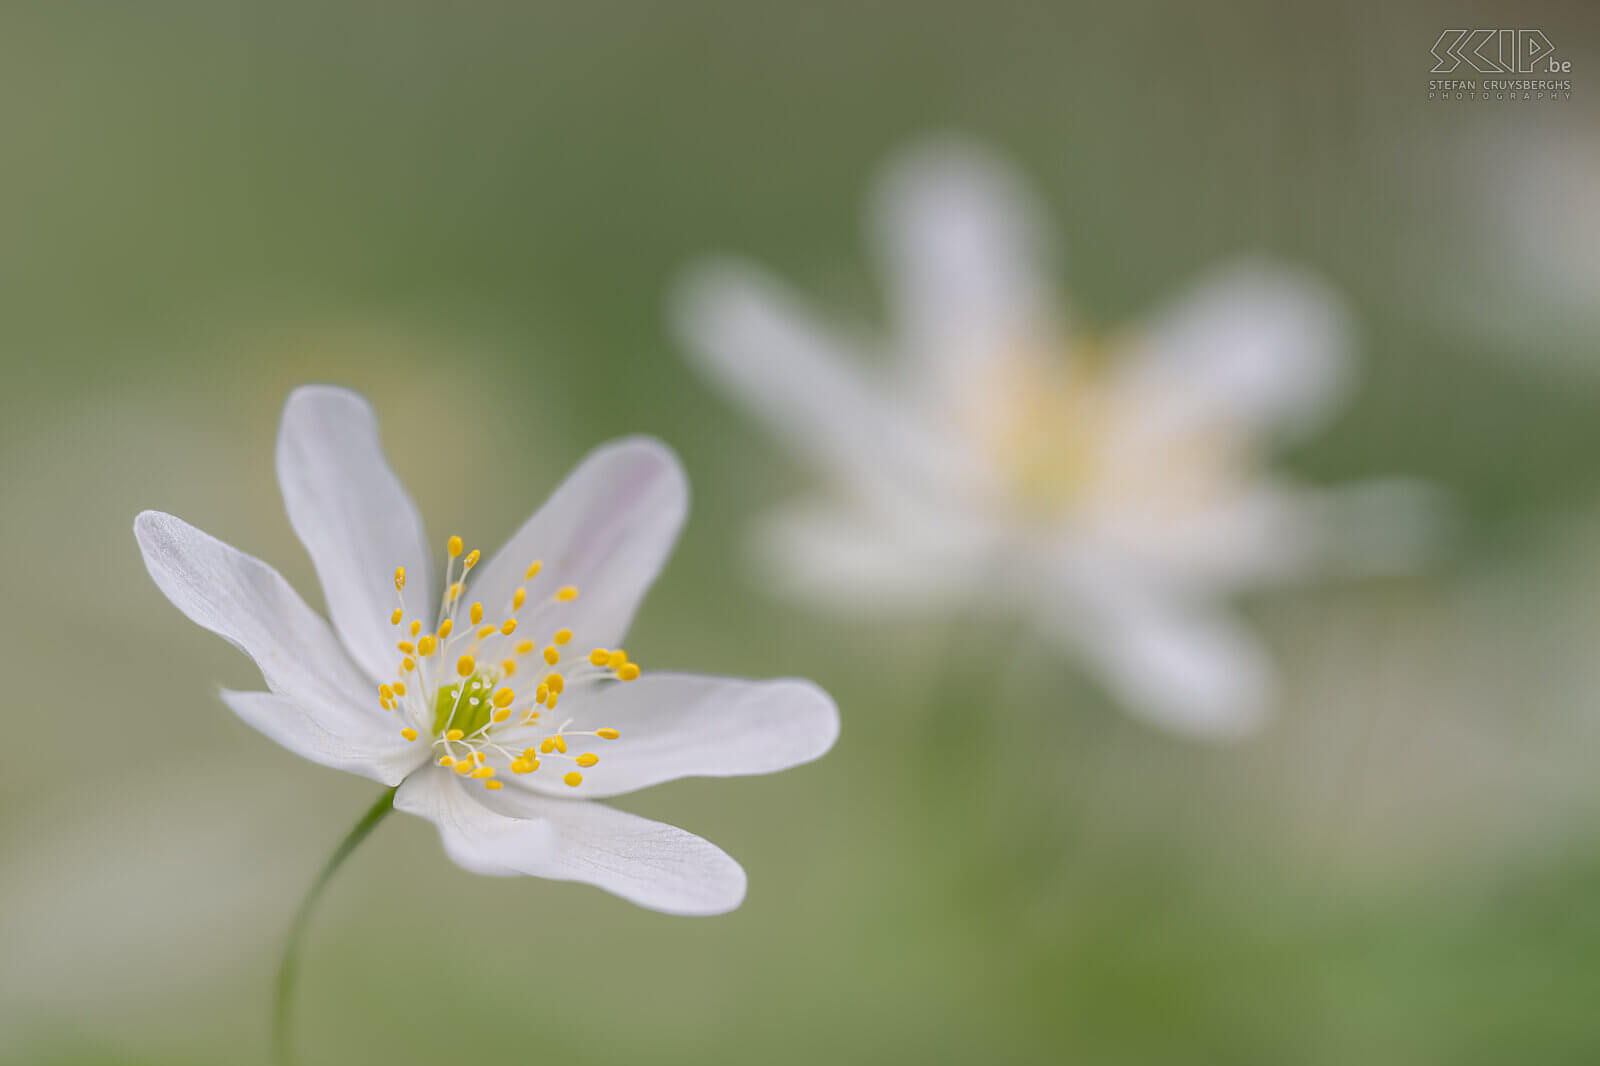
469,718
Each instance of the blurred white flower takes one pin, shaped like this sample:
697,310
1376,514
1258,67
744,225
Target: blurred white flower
415,686
1111,488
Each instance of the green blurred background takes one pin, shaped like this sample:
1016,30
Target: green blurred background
471,213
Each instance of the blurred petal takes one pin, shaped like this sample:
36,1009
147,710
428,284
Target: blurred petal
607,530
475,837
247,603
754,340
1187,667
845,559
1252,345
354,517
684,725
966,262
357,743
648,863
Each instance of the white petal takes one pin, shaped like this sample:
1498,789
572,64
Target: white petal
607,530
1255,346
354,742
246,602
754,340
475,837
355,519
649,863
1185,666
967,263
686,725
843,559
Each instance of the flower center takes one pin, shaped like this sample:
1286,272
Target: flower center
1064,434
454,683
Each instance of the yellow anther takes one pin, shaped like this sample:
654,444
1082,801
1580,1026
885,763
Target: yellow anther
560,742
406,646
547,745
400,687
540,693
557,683
454,547
501,714
599,657
484,631
445,627
446,761
386,692
573,779
508,667
503,697
394,619
416,627
518,598
607,733
472,558
531,753
617,659
524,647
475,612
629,672
562,636
533,570
552,654
454,734
508,627
525,765
567,593
493,786
482,772
409,664
409,733
588,758
478,757
455,591
463,768
399,578
466,665
551,702
426,645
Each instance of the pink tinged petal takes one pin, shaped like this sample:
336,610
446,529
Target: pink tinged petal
1256,347
476,837
353,742
648,863
607,531
753,339
354,518
686,725
1184,666
246,602
967,262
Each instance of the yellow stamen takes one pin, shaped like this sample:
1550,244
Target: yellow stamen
518,598
463,768
552,655
503,697
416,627
493,786
426,645
508,627
394,619
573,779
454,547
475,612
406,646
399,578
409,664
533,570
409,733
455,591
588,758
445,627
567,593
617,659
466,665
454,734
607,733
562,636
508,667
560,742
629,672
472,558
599,657
484,631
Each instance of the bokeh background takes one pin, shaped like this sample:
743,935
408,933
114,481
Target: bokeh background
471,213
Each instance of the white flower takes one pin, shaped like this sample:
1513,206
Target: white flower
1114,488
484,696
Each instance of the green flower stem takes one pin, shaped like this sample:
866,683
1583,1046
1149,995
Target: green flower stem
289,964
